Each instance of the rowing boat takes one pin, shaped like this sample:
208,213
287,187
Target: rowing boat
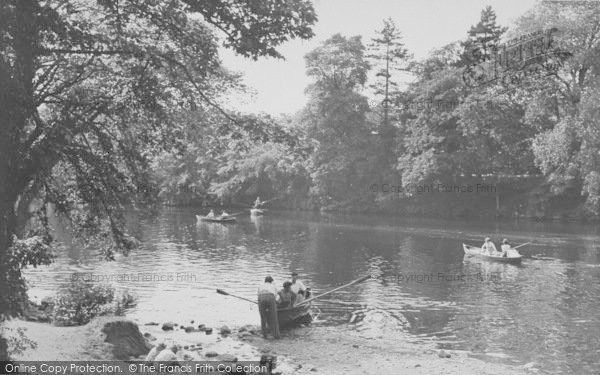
478,253
216,219
294,315
256,211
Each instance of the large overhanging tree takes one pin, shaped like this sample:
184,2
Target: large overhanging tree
87,91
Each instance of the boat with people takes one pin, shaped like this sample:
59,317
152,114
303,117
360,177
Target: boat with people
477,252
256,209
289,313
216,219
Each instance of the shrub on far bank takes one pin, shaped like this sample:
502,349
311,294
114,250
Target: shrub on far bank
80,301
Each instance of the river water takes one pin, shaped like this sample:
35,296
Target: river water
424,288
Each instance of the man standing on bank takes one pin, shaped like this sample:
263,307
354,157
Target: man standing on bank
267,306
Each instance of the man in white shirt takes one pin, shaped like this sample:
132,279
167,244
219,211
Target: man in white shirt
267,307
297,285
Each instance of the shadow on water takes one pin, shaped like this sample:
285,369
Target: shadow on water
424,289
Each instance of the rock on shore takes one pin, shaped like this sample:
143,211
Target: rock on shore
126,338
104,338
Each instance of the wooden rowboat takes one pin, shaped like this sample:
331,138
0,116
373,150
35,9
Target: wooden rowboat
478,253
294,315
256,211
216,219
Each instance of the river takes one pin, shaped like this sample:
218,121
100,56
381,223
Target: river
424,288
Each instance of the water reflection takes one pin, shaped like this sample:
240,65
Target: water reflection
425,289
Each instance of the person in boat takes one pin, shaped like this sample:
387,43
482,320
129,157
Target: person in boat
508,250
267,307
504,248
287,298
211,214
224,214
488,247
257,203
297,285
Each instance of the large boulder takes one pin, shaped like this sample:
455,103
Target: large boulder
126,338
250,329
225,330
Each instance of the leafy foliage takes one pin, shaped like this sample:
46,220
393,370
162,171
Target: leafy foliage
80,301
212,166
90,93
483,38
390,57
565,106
335,118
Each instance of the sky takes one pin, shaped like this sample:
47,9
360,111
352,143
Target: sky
278,85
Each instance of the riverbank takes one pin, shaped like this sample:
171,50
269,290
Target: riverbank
327,350
311,350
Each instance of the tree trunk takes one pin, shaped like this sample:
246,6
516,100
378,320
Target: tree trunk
9,292
15,108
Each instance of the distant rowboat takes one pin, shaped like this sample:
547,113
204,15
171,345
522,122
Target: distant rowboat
216,219
478,253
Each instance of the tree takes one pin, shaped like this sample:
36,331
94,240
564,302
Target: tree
432,144
564,106
390,57
337,65
483,38
211,166
87,90
334,118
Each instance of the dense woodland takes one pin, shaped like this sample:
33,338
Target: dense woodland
110,105
534,139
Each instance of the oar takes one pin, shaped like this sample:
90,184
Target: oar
267,201
335,290
221,291
235,214
526,243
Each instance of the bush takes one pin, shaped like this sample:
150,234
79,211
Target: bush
80,301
